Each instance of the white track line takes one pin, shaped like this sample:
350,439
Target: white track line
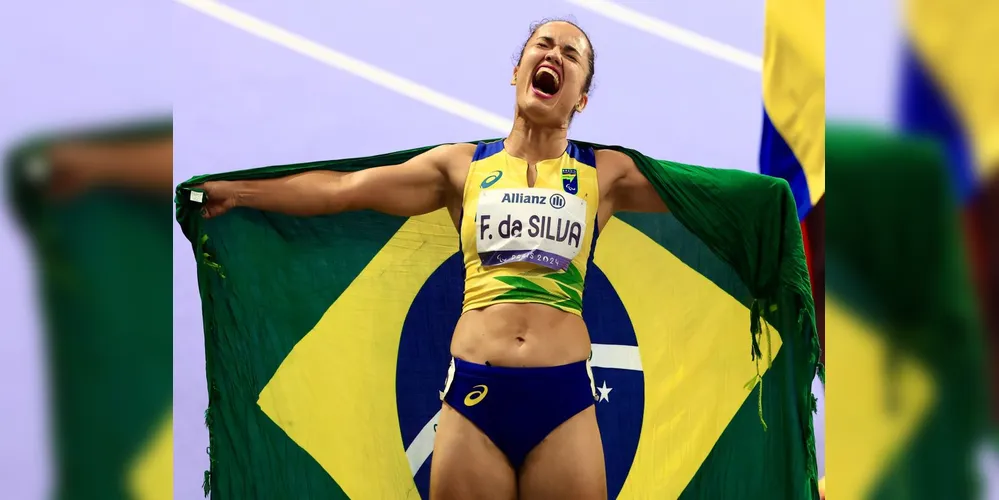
673,33
330,57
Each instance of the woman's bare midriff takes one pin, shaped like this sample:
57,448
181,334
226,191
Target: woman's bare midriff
520,335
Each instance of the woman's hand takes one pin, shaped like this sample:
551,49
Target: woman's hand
221,196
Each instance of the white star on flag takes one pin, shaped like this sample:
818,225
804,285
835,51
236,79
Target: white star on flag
604,392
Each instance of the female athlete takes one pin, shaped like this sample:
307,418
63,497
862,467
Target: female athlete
518,417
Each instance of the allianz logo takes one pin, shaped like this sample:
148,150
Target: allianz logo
556,200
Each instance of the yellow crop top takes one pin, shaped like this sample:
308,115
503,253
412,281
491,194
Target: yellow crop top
528,244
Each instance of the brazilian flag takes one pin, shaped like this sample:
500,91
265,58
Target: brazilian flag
909,414
104,275
327,342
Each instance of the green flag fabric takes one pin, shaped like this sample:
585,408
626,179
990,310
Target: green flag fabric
910,412
327,342
104,271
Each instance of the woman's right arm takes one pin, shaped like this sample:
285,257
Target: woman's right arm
415,187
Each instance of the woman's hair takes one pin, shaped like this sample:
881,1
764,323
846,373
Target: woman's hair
588,83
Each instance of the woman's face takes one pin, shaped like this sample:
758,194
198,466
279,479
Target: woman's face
551,74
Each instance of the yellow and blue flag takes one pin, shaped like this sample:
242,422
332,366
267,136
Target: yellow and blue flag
949,87
793,137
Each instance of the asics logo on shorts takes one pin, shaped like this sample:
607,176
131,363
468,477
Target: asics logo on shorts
475,396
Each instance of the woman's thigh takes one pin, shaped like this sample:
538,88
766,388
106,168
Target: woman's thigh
466,464
568,464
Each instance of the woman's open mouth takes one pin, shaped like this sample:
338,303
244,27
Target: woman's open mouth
546,82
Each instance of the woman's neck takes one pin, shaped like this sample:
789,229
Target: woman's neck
533,143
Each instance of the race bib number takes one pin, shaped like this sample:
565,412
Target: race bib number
541,226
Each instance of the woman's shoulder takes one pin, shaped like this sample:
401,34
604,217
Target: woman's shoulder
611,157
458,151
611,163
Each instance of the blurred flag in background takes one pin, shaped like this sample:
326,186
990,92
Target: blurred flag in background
95,207
949,92
905,412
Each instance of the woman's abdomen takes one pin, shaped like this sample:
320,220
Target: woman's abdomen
525,335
